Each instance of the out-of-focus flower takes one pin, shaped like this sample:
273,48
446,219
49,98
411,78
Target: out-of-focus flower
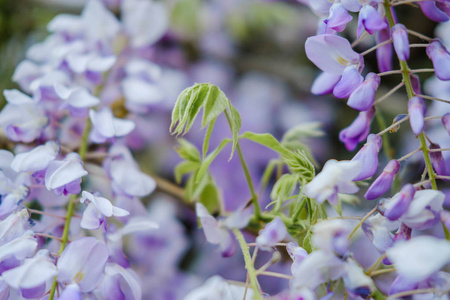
370,20
336,177
338,18
440,58
423,212
37,159
273,233
383,181
446,121
217,288
355,281
77,99
331,235
437,160
420,257
121,283
106,126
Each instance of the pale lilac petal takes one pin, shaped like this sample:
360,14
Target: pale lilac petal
86,256
351,5
339,17
440,58
226,244
331,53
77,97
17,97
400,284
363,96
419,258
350,80
378,230
14,226
416,110
71,292
36,159
103,205
383,181
102,121
356,281
400,39
439,164
384,53
100,64
423,212
99,22
123,127
368,157
21,247
120,212
209,224
132,182
91,219
141,92
60,173
324,83
331,235
446,122
370,19
273,233
32,273
120,282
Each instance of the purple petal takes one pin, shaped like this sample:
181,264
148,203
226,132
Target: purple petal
395,207
438,161
446,122
400,284
399,35
273,233
430,10
91,219
416,110
350,80
368,156
364,95
440,58
331,53
370,19
423,212
384,53
324,83
339,17
358,130
384,181
36,159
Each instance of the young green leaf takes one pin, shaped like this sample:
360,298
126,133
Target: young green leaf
185,167
187,151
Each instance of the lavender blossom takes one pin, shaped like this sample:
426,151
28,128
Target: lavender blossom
416,110
368,157
440,58
383,181
395,207
273,233
399,35
358,130
363,96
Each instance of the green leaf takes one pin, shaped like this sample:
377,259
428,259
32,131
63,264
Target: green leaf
207,137
299,164
187,151
185,167
209,197
216,102
209,159
194,103
267,140
283,189
199,184
307,241
235,124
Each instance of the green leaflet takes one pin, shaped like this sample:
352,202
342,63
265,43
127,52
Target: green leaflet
283,189
185,167
297,161
214,102
209,197
187,151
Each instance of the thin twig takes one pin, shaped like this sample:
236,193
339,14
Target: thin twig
376,47
388,94
362,221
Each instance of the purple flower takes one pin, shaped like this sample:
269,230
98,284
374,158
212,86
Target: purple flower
324,83
336,177
350,80
446,121
120,283
332,54
78,99
423,212
416,110
384,53
22,118
21,247
273,233
378,230
37,159
83,262
32,273
433,12
331,235
440,58
97,210
383,181
363,96
106,126
399,35
71,292
370,20
297,254
400,284
356,282
64,176
358,130
437,160
420,257
395,207
368,156
338,18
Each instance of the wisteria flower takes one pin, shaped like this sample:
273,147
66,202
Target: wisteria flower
423,212
37,159
106,126
331,235
395,207
78,99
336,177
97,210
358,130
64,176
440,58
273,233
399,35
383,181
368,157
363,96
121,282
416,110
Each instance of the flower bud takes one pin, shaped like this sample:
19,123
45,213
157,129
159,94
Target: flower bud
351,79
400,39
440,58
416,110
384,181
358,130
438,160
364,95
384,53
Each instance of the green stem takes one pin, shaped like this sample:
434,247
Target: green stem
247,175
248,264
299,208
362,221
71,206
407,80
